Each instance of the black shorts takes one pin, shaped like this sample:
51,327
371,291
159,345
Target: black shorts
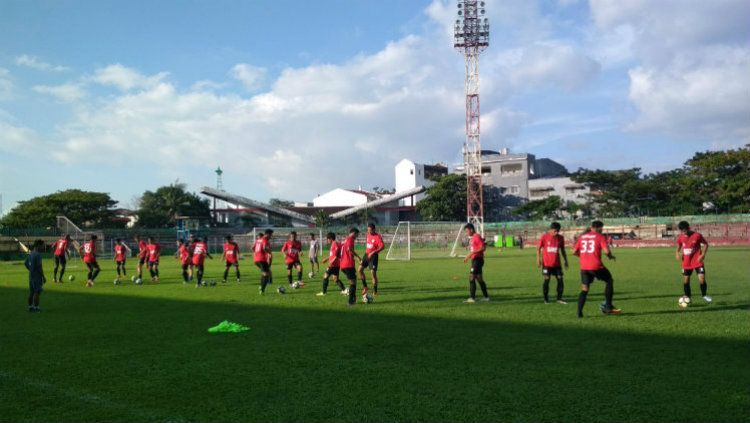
153,263
290,266
552,271
141,260
120,263
333,271
588,276
350,273
230,264
185,266
372,262
699,270
262,265
477,265
92,266
60,260
36,287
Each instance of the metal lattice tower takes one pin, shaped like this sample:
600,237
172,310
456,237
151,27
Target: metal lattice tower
219,181
472,37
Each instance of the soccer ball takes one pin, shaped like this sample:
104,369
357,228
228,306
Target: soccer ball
310,275
71,278
295,285
683,301
281,290
212,283
138,281
116,282
204,283
367,299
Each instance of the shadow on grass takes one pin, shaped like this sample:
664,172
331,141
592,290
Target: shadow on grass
119,358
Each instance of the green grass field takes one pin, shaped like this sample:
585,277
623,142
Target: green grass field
142,353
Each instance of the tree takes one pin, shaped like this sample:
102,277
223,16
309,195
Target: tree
722,178
278,202
160,208
84,208
322,219
383,191
446,200
547,208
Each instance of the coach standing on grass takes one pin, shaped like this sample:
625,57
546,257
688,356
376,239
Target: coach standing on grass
36,275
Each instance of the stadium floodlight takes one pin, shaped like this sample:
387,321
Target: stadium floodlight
472,37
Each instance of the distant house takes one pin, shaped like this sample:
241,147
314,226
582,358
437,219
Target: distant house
411,175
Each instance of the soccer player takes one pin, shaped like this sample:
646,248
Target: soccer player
691,251
373,245
292,249
121,253
88,252
61,257
589,247
262,258
314,250
231,256
476,255
333,265
37,279
551,246
154,252
142,255
185,258
348,255
190,246
200,252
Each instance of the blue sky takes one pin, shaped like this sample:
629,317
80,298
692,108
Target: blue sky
294,98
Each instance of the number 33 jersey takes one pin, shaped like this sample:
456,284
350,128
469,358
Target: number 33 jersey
589,247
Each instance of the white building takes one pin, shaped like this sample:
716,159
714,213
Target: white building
340,197
411,175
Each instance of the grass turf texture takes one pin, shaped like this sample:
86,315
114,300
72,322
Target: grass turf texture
142,353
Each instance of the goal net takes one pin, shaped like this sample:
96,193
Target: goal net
78,236
422,240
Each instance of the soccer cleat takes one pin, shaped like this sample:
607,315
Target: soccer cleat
562,302
485,299
224,281
612,310
260,290
321,294
580,315
31,309
707,299
198,285
546,301
344,292
470,300
238,280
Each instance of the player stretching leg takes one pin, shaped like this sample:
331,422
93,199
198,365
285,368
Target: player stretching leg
589,248
333,265
262,258
292,249
200,252
154,252
373,245
347,255
476,255
184,256
88,252
121,253
691,251
231,256
551,246
142,255
313,255
61,257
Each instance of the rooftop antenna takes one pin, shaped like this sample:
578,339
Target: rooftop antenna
219,181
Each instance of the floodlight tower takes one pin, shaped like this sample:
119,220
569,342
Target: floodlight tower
472,37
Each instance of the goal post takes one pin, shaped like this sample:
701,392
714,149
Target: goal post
424,240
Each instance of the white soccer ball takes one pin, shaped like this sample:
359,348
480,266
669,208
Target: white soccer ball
138,281
281,290
295,285
71,278
310,275
367,298
684,301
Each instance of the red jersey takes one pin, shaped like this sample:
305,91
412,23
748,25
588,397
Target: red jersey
475,246
199,253
154,251
259,250
690,248
89,252
347,253
184,254
551,246
61,247
121,253
333,256
589,247
231,252
373,242
142,249
291,251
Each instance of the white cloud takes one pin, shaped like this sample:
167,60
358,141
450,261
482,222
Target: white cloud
34,63
125,78
250,76
65,92
6,85
18,140
553,65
